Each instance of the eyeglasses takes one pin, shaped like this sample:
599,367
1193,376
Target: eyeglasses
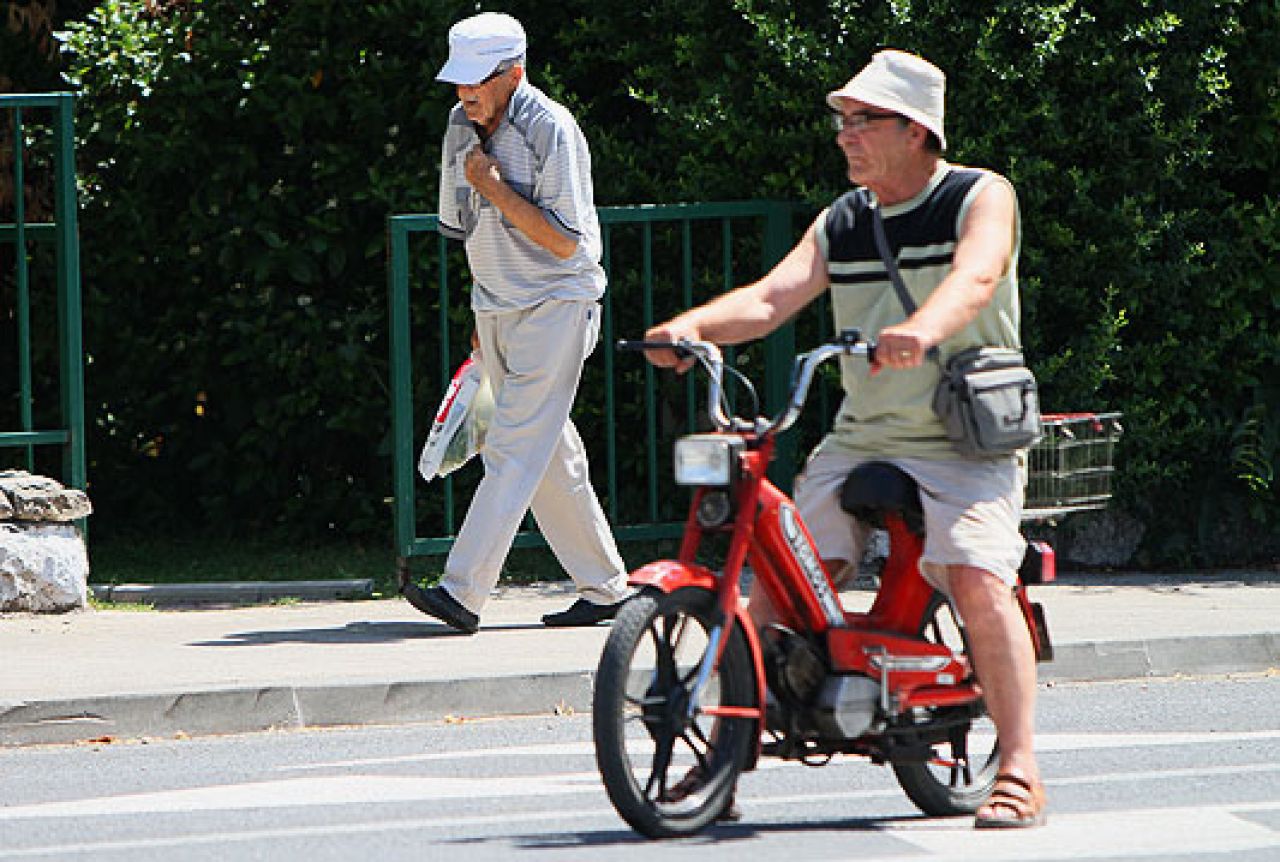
858,120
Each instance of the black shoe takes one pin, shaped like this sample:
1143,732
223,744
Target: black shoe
436,602
582,613
692,780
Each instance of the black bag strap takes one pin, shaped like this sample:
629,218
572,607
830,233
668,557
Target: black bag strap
891,265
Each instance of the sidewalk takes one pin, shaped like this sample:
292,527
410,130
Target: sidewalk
125,674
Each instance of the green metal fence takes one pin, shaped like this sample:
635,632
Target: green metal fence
655,256
28,114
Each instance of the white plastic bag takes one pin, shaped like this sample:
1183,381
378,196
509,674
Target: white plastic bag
462,419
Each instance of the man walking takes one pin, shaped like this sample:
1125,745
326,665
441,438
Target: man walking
515,186
955,234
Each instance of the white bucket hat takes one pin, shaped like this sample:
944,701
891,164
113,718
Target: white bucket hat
478,44
902,83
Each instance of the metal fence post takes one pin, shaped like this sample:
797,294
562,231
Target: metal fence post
70,323
23,312
780,347
401,390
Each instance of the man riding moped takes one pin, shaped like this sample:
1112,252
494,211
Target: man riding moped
955,235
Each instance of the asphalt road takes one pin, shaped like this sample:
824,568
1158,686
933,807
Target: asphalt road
1173,769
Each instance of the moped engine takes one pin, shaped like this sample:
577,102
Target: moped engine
796,670
846,706
834,707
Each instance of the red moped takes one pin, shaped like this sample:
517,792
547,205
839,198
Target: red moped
688,694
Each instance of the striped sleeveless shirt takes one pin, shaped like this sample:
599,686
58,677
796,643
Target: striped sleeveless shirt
891,414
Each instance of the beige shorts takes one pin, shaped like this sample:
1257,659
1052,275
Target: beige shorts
972,510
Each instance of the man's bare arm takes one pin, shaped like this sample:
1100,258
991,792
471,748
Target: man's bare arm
485,177
752,311
981,256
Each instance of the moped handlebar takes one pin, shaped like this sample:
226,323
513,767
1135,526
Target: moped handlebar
710,357
848,342
682,348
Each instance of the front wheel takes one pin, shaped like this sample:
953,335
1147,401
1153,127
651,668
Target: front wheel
667,751
961,770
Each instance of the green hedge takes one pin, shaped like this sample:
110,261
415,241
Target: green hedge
239,160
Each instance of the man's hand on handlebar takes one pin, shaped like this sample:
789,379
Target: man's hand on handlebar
900,346
672,330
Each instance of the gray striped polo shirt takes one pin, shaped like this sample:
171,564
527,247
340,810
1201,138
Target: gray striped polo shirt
543,156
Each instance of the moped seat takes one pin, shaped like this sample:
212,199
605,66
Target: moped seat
876,488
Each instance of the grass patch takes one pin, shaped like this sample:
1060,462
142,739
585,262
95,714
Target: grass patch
201,560
211,560
129,607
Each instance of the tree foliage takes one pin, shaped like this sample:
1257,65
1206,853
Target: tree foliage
239,160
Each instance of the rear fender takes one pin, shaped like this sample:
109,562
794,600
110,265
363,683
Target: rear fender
1037,624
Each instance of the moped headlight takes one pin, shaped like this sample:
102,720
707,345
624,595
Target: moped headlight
708,459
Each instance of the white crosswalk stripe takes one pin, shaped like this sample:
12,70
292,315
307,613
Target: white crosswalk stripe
1157,833
1045,742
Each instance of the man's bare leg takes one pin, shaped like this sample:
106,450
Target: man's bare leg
1004,659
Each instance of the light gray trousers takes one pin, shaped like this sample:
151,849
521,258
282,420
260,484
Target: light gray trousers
534,458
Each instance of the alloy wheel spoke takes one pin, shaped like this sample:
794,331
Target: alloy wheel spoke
699,754
658,769
664,654
646,700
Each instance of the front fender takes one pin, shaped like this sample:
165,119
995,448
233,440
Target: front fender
752,638
671,575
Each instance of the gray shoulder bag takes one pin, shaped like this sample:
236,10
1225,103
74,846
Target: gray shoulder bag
987,397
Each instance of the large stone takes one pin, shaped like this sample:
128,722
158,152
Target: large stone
1109,537
43,567
38,498
43,562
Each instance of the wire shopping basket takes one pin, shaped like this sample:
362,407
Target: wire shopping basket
1071,467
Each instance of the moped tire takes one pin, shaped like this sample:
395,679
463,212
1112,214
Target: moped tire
670,770
949,785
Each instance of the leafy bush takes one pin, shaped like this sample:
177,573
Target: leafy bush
240,158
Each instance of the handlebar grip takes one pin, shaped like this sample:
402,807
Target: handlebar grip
681,352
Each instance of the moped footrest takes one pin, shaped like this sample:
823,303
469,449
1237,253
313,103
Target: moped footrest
940,696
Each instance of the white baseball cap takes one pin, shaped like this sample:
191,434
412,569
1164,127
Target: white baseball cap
902,83
478,44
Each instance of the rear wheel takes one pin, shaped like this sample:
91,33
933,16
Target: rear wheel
959,774
669,759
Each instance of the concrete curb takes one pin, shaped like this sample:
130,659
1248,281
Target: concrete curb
272,707
234,592
1204,654
211,712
